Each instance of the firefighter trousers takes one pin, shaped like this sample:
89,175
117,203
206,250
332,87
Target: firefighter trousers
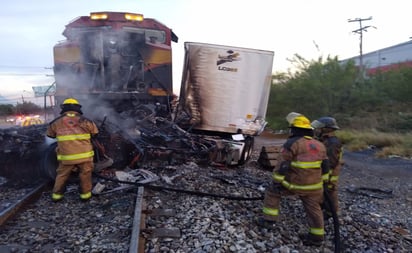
311,200
64,171
333,195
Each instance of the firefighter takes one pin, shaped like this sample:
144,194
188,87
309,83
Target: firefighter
303,162
325,128
74,148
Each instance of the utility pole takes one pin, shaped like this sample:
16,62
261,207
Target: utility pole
360,32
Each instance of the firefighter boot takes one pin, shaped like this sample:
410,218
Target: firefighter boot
57,197
262,222
85,196
311,240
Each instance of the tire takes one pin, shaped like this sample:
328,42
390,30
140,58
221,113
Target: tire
50,164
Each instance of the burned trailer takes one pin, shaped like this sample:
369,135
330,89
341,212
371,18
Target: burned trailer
116,59
224,96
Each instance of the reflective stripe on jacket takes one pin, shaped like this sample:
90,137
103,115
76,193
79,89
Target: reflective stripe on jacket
281,179
306,165
73,137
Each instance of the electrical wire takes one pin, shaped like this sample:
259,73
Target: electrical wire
214,195
197,193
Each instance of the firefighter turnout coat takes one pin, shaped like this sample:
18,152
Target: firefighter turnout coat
74,149
334,151
303,166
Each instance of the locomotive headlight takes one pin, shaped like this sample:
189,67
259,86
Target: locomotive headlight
133,17
98,16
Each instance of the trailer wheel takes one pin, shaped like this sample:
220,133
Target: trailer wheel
49,165
50,162
247,150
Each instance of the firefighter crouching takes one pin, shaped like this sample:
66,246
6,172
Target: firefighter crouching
303,165
325,128
74,148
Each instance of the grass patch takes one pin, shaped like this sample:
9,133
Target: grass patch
388,144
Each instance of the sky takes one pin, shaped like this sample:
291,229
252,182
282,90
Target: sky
309,28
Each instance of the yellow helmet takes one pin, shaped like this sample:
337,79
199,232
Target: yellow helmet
298,120
70,101
70,104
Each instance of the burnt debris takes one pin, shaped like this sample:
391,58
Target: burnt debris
26,152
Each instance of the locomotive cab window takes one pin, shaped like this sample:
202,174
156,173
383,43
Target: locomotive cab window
151,35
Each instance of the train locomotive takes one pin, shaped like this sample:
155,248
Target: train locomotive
118,59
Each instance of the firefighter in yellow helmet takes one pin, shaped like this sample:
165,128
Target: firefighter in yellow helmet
74,148
325,128
303,163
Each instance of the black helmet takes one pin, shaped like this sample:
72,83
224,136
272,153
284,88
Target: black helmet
325,122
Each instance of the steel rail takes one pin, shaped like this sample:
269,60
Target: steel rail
28,198
137,222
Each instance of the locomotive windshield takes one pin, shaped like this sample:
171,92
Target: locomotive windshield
150,35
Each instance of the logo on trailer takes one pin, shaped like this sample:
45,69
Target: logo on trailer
231,56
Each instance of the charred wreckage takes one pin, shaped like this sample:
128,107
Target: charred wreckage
119,67
26,153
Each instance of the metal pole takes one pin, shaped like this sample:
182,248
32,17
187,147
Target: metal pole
45,94
360,32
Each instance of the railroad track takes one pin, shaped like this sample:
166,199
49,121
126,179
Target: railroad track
114,222
179,222
17,198
131,219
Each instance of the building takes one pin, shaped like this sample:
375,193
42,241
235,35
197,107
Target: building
386,58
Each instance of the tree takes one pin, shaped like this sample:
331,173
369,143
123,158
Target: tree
6,109
27,108
316,88
330,88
